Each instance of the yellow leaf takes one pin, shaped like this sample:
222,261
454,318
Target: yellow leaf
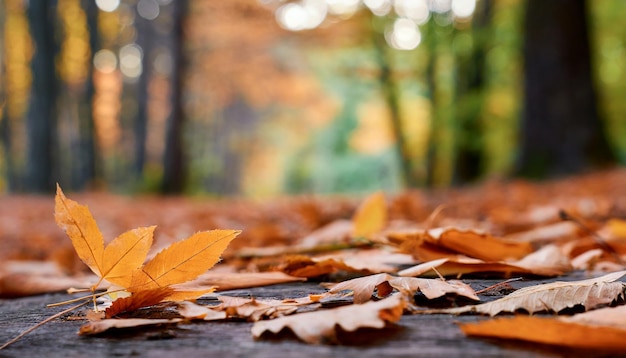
124,254
183,261
80,226
371,216
119,259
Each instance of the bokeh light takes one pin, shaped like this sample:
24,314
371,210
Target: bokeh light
148,9
130,61
303,15
404,34
463,9
105,61
378,7
416,10
108,5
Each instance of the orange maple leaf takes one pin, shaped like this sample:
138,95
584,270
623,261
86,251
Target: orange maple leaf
116,262
121,262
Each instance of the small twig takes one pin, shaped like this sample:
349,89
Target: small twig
564,215
438,273
41,324
431,218
498,285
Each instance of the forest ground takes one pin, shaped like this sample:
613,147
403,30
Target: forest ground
28,232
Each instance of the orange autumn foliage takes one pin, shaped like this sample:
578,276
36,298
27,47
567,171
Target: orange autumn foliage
122,261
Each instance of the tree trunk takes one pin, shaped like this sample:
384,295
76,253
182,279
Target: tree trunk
390,93
41,120
86,169
470,97
174,165
145,33
561,129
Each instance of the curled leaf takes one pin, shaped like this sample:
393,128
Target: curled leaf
320,326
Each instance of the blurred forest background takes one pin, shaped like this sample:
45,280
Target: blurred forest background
261,98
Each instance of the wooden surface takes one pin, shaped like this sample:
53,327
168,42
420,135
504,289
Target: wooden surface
414,335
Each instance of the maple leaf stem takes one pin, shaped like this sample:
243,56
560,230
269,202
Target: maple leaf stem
93,295
41,324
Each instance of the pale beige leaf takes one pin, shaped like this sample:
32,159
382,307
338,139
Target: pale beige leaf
78,223
98,327
222,281
363,287
554,296
320,326
183,260
191,310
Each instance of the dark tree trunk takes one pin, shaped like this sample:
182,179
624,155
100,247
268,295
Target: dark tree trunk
86,170
174,165
561,128
5,124
469,93
145,34
41,121
390,93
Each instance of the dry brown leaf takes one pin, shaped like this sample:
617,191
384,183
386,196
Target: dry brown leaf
371,216
26,278
602,329
183,260
478,245
223,281
364,261
191,310
249,309
136,301
547,261
363,287
106,325
554,297
320,326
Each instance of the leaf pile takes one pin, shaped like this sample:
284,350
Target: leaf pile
399,248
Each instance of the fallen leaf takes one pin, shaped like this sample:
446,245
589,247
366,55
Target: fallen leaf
26,278
191,310
602,329
116,262
371,216
320,326
478,245
554,297
106,325
364,287
547,261
137,300
183,260
223,281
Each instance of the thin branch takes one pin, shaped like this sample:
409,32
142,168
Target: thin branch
41,324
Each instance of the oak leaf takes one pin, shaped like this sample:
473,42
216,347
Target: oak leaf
554,297
320,326
602,329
